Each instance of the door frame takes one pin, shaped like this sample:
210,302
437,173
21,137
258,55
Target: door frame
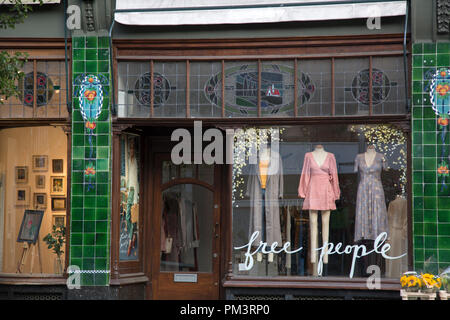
163,286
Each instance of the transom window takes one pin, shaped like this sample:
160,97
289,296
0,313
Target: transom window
356,86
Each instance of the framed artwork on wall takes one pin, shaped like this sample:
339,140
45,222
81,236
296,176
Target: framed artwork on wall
40,181
22,196
59,220
21,174
31,224
58,204
40,163
57,166
57,185
40,201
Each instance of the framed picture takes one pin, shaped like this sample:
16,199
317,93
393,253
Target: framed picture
40,181
58,204
40,163
31,224
57,185
40,201
57,166
59,220
21,174
22,196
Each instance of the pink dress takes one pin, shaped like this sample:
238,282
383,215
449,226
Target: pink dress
319,186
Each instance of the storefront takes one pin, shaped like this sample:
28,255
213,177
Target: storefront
205,161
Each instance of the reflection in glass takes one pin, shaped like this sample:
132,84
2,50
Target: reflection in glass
186,228
129,195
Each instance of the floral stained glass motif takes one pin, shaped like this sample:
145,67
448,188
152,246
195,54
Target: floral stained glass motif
44,89
161,89
381,86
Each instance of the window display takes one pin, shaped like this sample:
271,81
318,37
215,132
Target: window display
317,198
27,202
129,206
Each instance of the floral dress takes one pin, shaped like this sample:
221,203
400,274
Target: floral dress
371,213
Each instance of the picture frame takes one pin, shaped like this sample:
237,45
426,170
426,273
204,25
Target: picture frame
57,184
57,166
40,181
39,201
40,163
59,220
21,174
30,227
58,204
22,196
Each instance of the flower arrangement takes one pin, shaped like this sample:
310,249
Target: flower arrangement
430,283
410,281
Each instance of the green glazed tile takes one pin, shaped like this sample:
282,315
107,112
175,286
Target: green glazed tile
79,54
91,66
89,202
419,254
89,226
100,251
430,242
443,60
78,42
76,214
101,226
443,47
91,54
76,251
103,66
429,138
417,190
430,203
91,42
429,151
444,256
101,238
430,229
417,48
417,61
103,54
444,229
78,164
103,42
88,263
417,74
417,87
429,125
77,189
89,239
444,216
79,66
444,242
100,264
444,203
101,213
429,48
76,239
418,229
88,251
418,203
77,201
417,112
87,279
89,214
429,60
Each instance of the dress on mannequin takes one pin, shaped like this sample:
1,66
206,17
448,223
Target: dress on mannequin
319,186
371,213
272,191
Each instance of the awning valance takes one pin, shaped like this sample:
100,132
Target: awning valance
201,12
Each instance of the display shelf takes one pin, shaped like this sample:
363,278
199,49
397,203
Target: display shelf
417,295
443,295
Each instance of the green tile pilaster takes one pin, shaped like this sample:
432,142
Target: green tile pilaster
431,202
91,197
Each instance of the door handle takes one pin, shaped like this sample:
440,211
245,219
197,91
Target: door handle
215,255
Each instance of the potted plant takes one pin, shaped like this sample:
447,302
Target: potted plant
55,241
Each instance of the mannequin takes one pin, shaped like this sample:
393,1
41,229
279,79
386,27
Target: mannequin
319,186
371,213
265,187
398,239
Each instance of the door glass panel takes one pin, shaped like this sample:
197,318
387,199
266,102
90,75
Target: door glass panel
169,171
187,228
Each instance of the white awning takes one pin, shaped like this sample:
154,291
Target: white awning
201,12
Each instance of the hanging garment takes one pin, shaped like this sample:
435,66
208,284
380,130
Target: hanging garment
319,185
273,192
171,228
370,215
398,226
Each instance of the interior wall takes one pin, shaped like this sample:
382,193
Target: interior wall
17,146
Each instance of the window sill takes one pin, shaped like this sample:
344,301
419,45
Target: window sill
309,282
131,278
32,279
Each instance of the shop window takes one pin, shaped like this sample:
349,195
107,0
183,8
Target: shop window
341,185
361,86
129,195
33,199
42,92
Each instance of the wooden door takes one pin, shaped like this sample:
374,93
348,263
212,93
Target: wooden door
186,227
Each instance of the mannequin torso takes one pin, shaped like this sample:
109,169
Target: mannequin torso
369,156
319,155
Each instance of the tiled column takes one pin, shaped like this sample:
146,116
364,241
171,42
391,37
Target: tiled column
91,161
431,194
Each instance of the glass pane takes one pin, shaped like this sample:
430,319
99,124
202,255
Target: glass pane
302,186
277,88
206,173
314,87
352,86
388,85
129,195
169,171
170,89
186,228
33,188
206,89
134,89
241,89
